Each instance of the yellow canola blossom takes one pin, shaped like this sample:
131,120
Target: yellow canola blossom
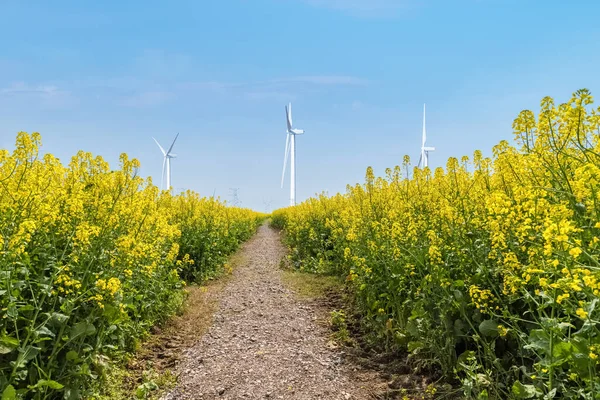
91,257
462,255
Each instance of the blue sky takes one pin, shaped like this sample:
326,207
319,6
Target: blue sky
107,76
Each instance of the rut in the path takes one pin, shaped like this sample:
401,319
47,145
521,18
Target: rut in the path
263,343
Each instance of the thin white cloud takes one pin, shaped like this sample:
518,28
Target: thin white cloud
17,88
48,95
138,92
279,88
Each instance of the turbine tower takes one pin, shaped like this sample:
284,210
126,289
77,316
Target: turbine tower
290,152
166,163
424,159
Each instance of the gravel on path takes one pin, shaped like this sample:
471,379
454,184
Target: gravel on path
264,343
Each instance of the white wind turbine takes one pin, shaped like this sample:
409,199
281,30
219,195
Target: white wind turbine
167,163
424,159
290,151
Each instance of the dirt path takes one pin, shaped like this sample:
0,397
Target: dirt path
264,343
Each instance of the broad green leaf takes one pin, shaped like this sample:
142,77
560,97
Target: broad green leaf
412,328
58,318
562,351
415,346
44,331
523,391
539,340
30,353
11,311
49,383
460,328
9,393
82,328
72,355
8,344
489,328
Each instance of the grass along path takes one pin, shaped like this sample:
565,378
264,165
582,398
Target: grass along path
264,341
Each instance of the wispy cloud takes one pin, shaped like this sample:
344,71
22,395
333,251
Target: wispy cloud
48,94
278,88
17,88
144,92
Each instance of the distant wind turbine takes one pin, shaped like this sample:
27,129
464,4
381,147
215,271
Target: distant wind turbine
290,152
166,163
424,159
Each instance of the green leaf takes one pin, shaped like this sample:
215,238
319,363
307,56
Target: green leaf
49,383
460,328
11,311
8,344
30,353
415,346
539,340
523,391
562,351
489,328
72,355
72,394
44,331
9,393
412,328
58,318
82,328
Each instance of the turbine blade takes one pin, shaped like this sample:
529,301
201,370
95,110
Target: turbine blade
173,144
288,114
285,158
160,147
420,159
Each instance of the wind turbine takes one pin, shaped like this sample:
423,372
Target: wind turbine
290,151
424,159
166,163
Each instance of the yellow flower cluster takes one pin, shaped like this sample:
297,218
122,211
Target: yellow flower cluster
510,241
111,286
483,299
67,284
91,247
